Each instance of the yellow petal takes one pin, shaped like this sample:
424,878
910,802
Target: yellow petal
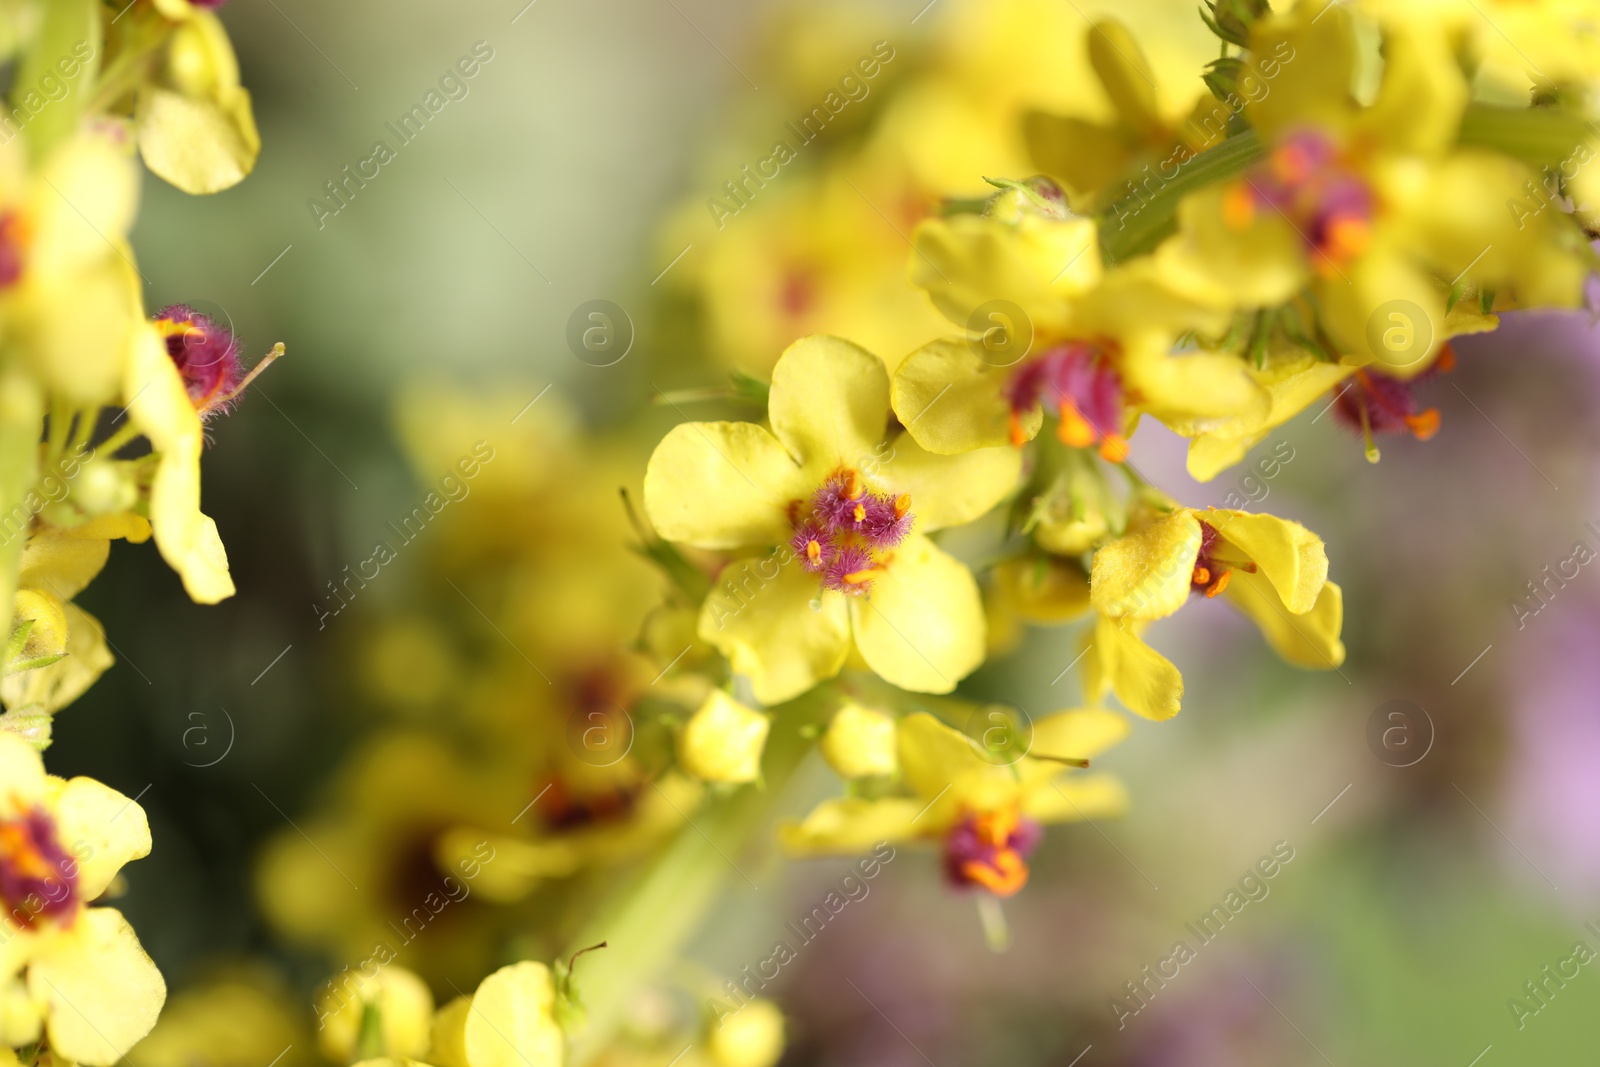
933,756
948,490
1316,45
721,485
160,406
85,202
511,1022
1080,734
1383,308
198,145
1143,679
761,616
1262,263
1036,264
1291,557
950,401
723,740
22,771
62,682
403,1002
1076,797
829,403
1146,574
1310,639
921,627
861,742
449,1045
62,562
111,826
851,824
102,993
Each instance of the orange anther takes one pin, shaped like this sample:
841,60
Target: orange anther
1238,206
1074,430
1008,874
1019,436
853,487
902,504
1114,449
1446,361
1201,576
1424,424
813,551
1220,584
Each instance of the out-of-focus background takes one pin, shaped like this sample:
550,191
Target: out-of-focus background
1419,902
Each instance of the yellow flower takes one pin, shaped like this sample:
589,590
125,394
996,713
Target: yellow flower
1373,209
1089,155
398,1000
92,988
196,127
1273,570
389,808
159,405
860,742
241,1016
987,809
509,1021
1513,44
750,1037
1048,331
723,741
837,519
69,293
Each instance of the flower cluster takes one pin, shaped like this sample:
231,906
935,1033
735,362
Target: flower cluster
588,701
101,434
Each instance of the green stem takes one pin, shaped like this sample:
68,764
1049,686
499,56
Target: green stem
648,921
124,434
1537,136
1138,222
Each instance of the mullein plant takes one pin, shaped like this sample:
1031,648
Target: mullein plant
603,697
1348,188
103,412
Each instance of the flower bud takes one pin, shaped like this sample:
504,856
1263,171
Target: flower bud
723,741
860,742
750,1037
388,1013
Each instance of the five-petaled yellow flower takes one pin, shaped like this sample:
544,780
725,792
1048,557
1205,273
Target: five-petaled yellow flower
828,513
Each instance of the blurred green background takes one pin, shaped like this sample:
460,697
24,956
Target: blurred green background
1419,900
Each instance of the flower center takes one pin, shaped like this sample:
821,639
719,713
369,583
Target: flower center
1330,205
1373,402
205,353
13,248
1076,380
566,808
1211,574
991,850
37,876
846,531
